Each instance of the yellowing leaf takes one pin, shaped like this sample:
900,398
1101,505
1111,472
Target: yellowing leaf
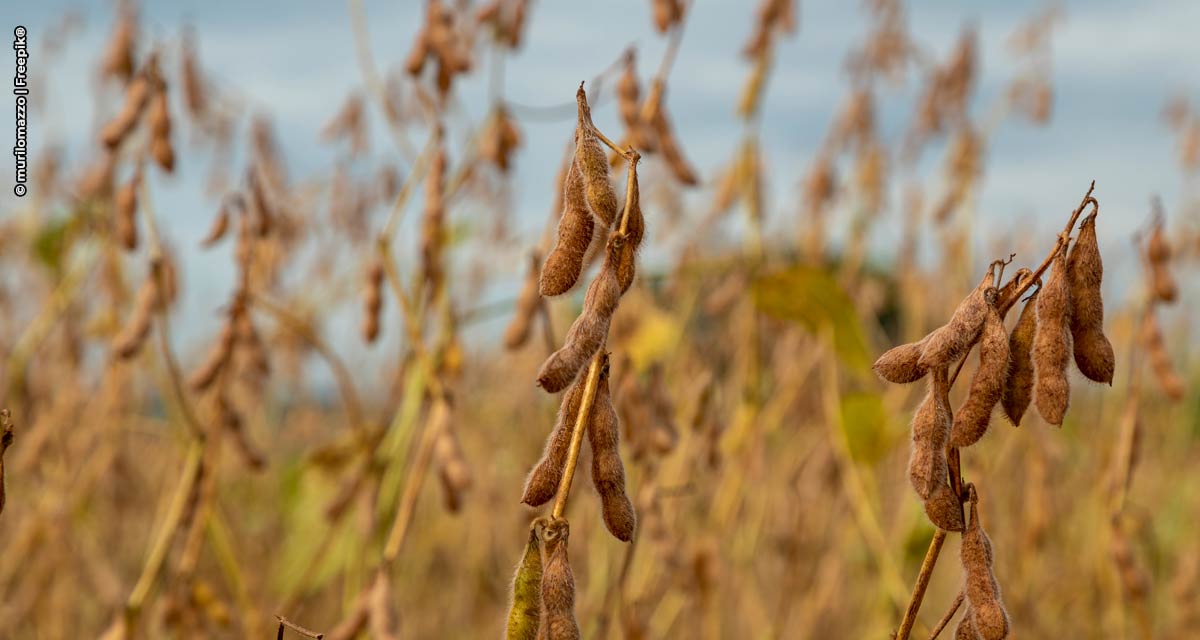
868,431
809,297
655,336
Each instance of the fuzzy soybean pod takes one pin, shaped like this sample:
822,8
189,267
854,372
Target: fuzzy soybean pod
1018,386
543,481
6,440
1158,254
654,112
593,166
159,120
525,612
136,96
372,301
133,335
1085,270
635,230
588,332
1160,358
575,227
901,365
944,509
1052,345
973,417
608,472
528,301
947,343
927,465
558,587
125,204
1005,296
965,630
987,613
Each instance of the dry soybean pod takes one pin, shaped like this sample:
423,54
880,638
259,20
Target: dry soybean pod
525,612
973,416
575,227
543,481
949,342
944,509
654,112
589,330
125,204
6,440
987,613
965,630
608,472
372,301
558,586
901,365
635,230
527,305
136,96
1158,255
1052,345
593,165
1085,271
1018,386
129,340
1160,358
927,466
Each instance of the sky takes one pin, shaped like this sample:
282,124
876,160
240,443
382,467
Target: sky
1115,64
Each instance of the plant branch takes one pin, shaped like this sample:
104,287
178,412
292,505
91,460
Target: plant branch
284,622
1063,239
341,373
631,179
162,542
366,62
937,629
412,491
914,606
585,115
599,361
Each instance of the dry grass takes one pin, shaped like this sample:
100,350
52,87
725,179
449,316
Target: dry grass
729,461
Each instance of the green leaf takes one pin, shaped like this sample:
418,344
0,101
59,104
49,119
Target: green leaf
868,431
811,298
50,242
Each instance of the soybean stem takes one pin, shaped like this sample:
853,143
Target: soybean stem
630,180
412,490
914,606
937,630
581,420
162,542
341,373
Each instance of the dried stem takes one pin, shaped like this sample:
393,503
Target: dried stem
284,622
160,318
914,606
632,156
1063,239
676,37
581,99
547,326
341,373
854,485
162,542
581,420
937,629
366,62
408,501
420,166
